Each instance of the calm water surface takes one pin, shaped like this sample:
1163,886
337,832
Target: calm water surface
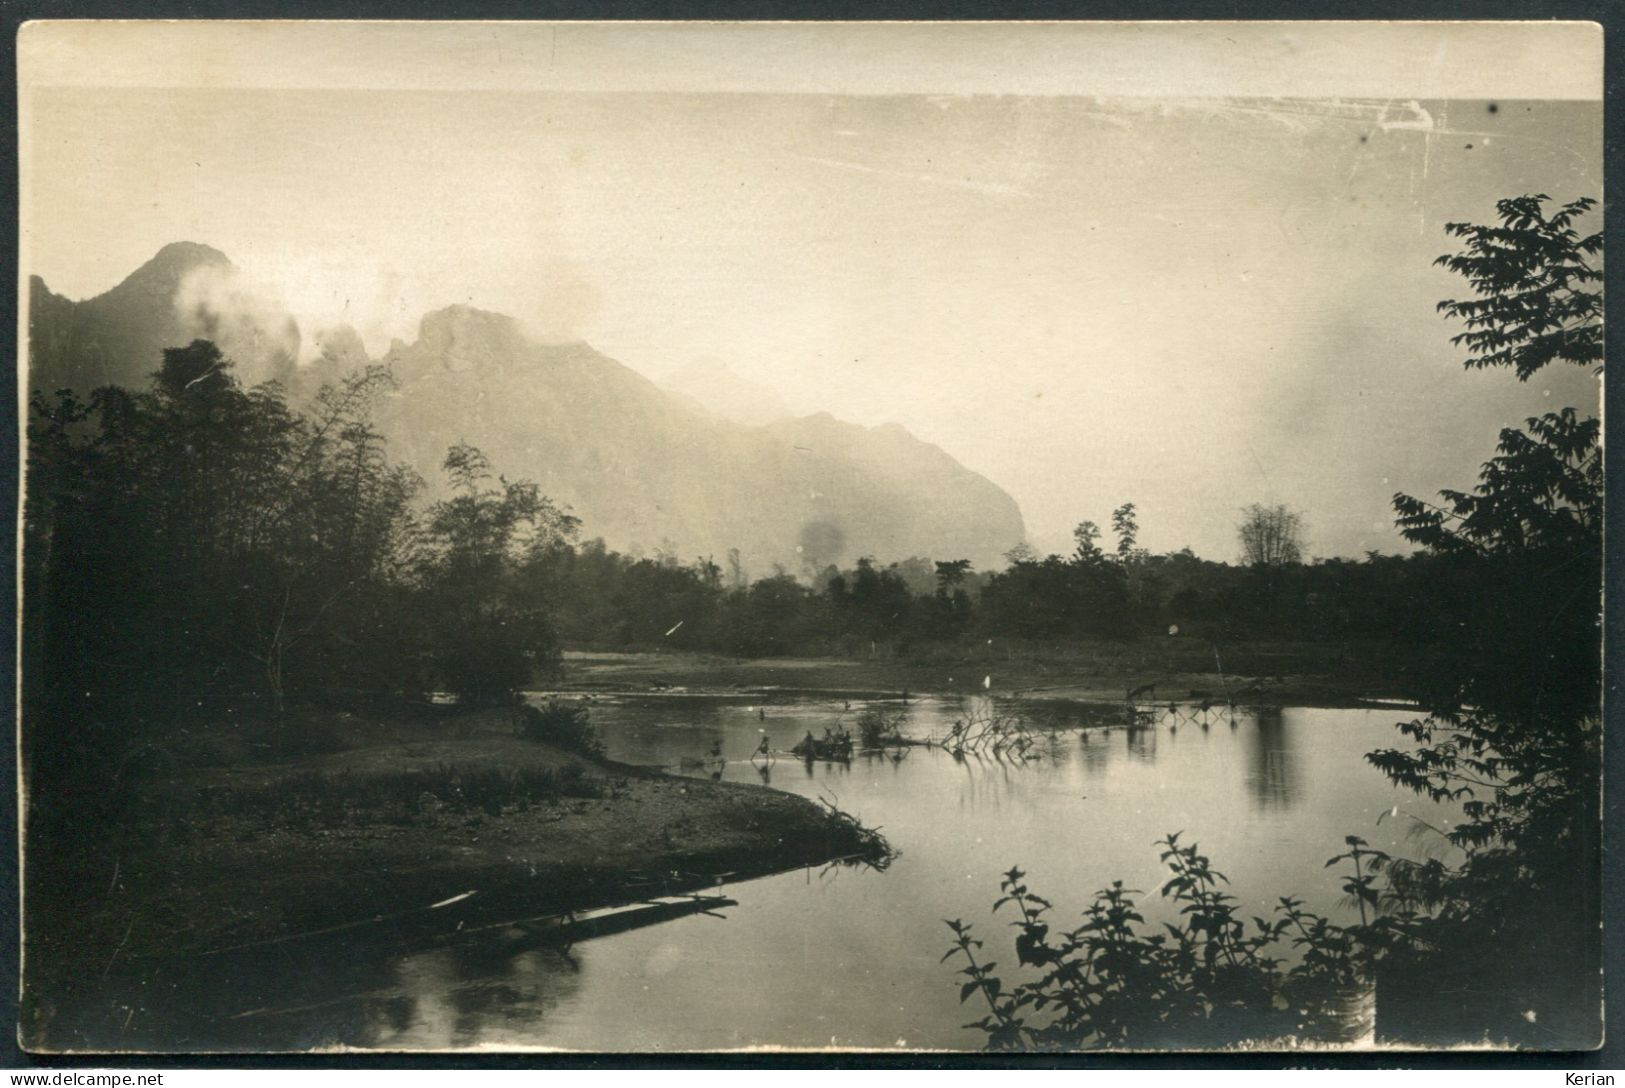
848,957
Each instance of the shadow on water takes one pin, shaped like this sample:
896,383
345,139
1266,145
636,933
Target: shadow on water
458,992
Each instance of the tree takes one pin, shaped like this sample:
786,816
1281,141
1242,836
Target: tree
334,533
1513,728
918,573
1271,536
873,604
486,633
1086,535
774,616
1531,273
952,603
1127,529
1542,491
1531,529
1021,553
194,547
193,492
950,576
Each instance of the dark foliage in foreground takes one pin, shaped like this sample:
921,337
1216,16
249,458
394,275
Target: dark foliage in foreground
1538,282
196,551
1214,979
1515,734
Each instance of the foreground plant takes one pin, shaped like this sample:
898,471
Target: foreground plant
1116,981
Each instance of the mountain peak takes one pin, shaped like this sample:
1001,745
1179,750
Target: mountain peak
186,291
464,337
461,319
170,265
178,258
189,253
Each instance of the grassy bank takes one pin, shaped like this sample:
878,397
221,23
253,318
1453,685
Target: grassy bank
359,841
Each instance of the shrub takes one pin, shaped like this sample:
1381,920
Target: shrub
565,725
877,728
1213,980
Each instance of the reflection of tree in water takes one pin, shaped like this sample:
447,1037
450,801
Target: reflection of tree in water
459,997
1094,750
289,998
1142,743
306,998
824,768
994,785
1274,776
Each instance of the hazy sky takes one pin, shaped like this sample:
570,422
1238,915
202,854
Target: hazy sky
1186,301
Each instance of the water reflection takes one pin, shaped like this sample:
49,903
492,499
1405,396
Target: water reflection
850,957
303,998
825,768
1142,743
1093,750
994,787
460,997
1273,775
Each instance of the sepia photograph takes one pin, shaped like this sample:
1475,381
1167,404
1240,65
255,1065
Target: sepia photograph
810,538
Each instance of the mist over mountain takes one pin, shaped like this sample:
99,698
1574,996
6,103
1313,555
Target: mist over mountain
712,464
186,292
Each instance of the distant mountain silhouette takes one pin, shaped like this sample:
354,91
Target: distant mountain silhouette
185,292
643,467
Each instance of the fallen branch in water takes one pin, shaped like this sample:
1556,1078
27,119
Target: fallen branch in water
874,850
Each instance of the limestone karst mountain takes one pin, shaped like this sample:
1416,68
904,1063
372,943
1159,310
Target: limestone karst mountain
643,467
187,291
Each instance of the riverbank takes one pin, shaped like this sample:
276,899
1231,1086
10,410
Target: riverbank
1157,670
414,831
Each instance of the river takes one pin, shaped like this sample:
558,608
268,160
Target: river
848,956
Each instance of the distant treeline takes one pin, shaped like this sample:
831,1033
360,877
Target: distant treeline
196,543
604,599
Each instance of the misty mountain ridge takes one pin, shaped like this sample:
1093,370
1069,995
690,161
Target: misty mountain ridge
714,387
708,463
